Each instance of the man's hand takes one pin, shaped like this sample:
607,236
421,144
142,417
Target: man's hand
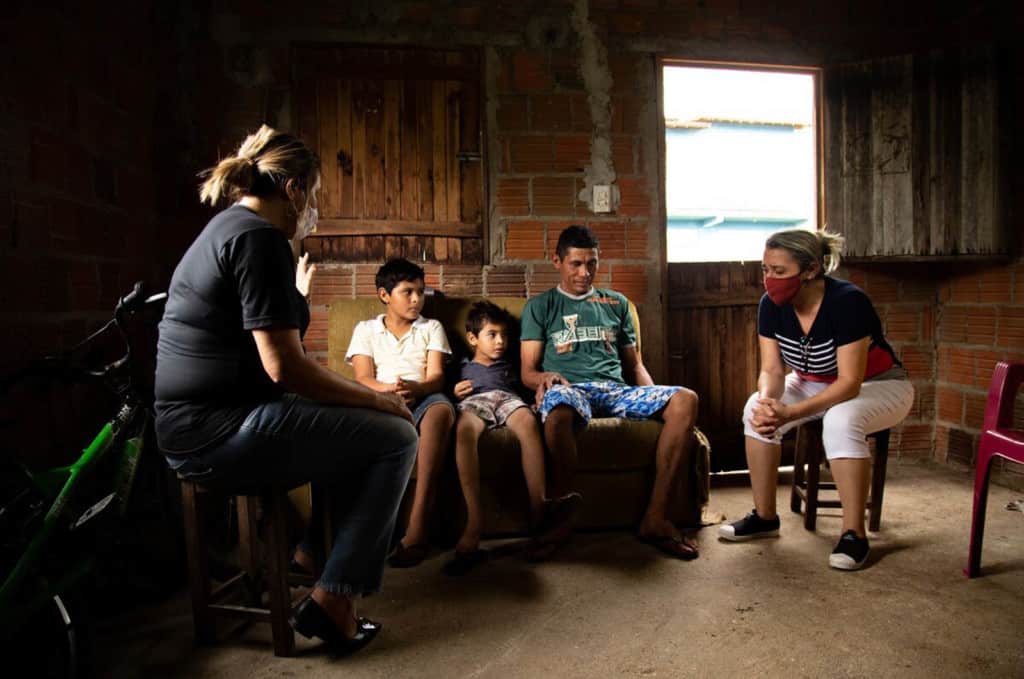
548,380
393,404
769,414
463,389
304,275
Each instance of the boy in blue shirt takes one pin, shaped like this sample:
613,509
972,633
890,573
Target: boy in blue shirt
488,397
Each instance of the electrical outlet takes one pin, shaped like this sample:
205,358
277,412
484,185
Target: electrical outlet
602,198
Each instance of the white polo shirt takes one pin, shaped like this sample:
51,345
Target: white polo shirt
394,357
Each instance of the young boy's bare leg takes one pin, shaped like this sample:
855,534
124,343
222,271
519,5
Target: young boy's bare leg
467,460
523,423
435,430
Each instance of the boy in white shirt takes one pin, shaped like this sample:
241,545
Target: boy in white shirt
402,352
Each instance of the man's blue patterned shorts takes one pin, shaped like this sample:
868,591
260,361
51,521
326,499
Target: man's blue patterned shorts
608,399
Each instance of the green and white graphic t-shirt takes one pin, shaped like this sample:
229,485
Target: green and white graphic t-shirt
582,335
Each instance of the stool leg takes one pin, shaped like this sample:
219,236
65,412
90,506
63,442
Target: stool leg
198,563
878,480
248,546
277,574
814,452
798,477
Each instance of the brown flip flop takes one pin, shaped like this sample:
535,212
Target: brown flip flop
676,547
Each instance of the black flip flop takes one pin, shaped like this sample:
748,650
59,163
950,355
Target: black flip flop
464,562
407,557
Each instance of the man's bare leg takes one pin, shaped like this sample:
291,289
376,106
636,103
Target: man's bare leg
674,450
561,440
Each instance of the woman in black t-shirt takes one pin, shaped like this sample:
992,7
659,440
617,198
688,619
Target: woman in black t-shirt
240,405
826,332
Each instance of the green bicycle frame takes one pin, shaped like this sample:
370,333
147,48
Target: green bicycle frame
61,484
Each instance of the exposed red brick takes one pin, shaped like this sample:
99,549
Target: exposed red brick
974,409
553,195
1011,327
941,442
572,153
964,288
462,280
914,440
315,338
903,323
467,17
927,323
1018,284
530,72
918,361
919,290
513,196
986,364
949,404
505,281
634,199
996,285
960,447
525,240
953,324
542,278
612,237
552,112
365,284
636,240
882,288
530,153
581,120
622,154
630,23
981,325
332,282
631,281
626,114
956,365
924,403
511,113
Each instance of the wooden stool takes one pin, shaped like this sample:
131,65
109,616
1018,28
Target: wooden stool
809,451
254,578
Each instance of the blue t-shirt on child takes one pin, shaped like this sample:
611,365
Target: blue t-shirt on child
499,376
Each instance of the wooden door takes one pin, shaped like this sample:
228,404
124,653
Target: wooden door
399,138
712,337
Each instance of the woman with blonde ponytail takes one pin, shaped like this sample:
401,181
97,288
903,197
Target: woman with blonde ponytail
827,333
238,403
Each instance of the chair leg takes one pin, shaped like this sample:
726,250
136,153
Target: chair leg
981,479
248,545
878,480
198,563
277,574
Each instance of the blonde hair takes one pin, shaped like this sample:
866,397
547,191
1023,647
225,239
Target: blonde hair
262,166
808,247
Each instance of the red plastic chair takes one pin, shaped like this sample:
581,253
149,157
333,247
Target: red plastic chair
996,439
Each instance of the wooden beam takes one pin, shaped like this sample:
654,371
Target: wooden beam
380,227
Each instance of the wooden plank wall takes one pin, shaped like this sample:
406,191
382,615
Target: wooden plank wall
912,155
712,337
399,138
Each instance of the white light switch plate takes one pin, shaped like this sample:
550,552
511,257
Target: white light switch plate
602,198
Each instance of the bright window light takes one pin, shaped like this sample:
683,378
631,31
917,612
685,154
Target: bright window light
740,160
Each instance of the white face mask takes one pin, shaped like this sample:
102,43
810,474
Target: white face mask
307,221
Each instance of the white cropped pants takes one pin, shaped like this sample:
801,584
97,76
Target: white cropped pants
880,405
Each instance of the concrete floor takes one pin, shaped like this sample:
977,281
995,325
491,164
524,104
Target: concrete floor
609,606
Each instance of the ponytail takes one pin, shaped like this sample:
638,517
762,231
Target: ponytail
263,164
810,247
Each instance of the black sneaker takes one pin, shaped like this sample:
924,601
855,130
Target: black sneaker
749,527
851,552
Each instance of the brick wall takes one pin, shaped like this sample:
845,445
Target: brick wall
981,322
76,190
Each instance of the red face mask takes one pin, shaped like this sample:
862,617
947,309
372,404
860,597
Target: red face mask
782,290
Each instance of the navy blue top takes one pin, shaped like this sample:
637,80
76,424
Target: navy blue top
236,277
500,376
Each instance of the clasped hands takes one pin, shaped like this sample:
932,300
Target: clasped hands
548,380
769,414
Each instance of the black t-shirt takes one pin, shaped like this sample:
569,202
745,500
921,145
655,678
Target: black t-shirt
238,276
846,315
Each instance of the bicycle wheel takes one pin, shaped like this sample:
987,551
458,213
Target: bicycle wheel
48,644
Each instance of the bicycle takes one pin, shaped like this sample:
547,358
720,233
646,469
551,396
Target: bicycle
56,523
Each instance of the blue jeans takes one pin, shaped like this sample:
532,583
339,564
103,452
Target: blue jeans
364,456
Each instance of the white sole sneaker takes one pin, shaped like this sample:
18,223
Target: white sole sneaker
845,562
728,532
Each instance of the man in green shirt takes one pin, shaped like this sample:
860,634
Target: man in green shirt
579,354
